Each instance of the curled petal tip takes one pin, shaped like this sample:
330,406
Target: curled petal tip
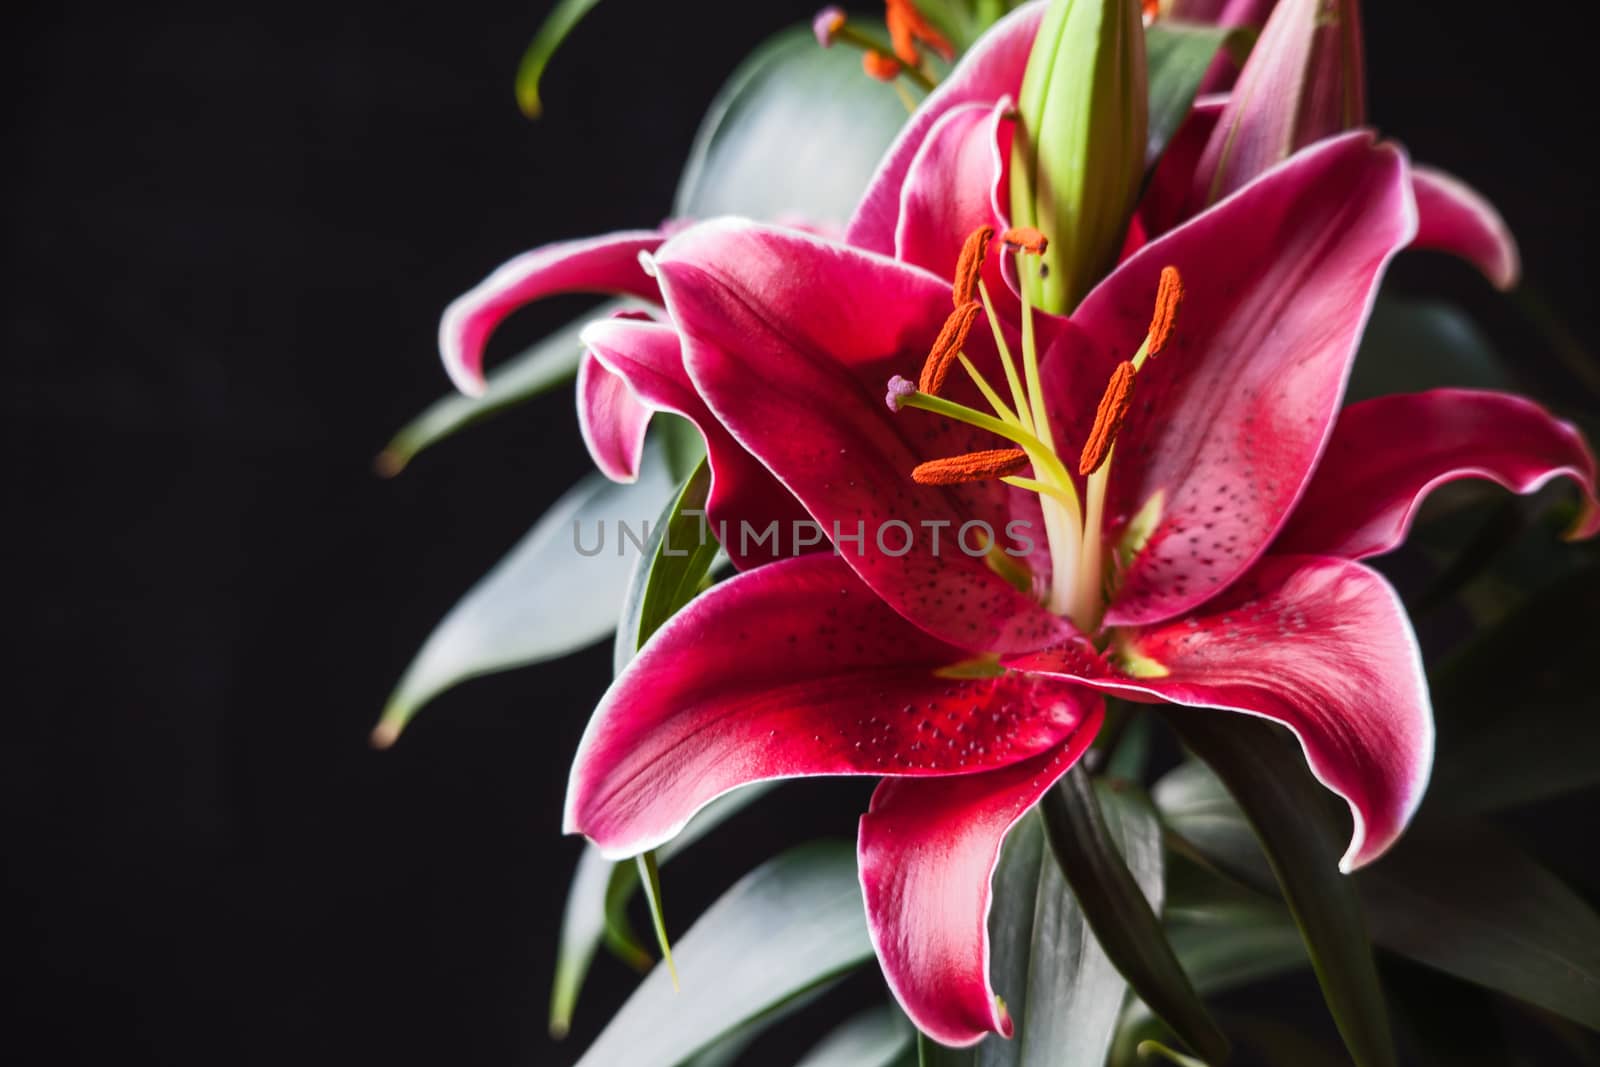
1586,525
899,389
388,463
386,733
826,24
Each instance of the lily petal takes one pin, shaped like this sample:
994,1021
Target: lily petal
1302,82
1456,218
611,419
1322,646
634,368
608,264
790,340
927,852
790,670
990,70
1387,454
949,188
1228,421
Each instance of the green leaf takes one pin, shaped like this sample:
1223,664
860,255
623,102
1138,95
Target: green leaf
1516,690
676,559
1282,1043
1289,812
650,875
1460,897
1062,990
1178,55
876,1038
1456,895
1225,935
788,927
542,366
932,1054
796,131
544,600
1085,840
597,904
1195,805
1411,345
560,22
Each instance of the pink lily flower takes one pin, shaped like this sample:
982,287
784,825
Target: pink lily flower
1197,503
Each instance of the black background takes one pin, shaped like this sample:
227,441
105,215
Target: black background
230,231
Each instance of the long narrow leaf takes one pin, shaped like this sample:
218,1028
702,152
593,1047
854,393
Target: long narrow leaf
598,899
1177,57
560,22
1125,922
795,133
1460,897
1454,894
876,1038
537,369
790,926
676,558
547,598
1289,812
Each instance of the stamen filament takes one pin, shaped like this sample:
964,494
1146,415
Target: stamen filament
1041,454
1033,485
1091,580
1030,368
1000,408
1018,397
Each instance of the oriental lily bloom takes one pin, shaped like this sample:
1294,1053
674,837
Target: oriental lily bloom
1196,502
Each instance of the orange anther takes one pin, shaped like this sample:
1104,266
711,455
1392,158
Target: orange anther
971,467
1025,239
1169,296
907,27
877,65
1108,419
936,368
970,266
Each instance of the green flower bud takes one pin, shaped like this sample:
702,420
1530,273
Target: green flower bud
1077,161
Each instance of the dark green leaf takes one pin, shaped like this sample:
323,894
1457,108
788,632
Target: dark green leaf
560,22
1129,750
1225,935
876,1038
1125,922
1412,345
788,927
1457,896
544,600
542,366
676,559
1515,708
1196,806
932,1054
1283,1043
597,905
1178,55
1062,991
795,132
1460,897
1288,809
